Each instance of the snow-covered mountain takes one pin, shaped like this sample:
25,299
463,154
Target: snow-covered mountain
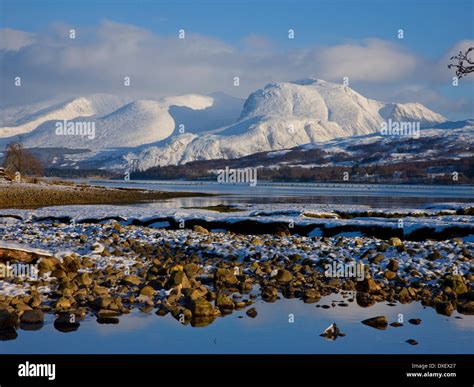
315,99
25,119
117,121
137,123
279,116
285,115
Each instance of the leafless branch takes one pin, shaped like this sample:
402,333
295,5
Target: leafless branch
463,69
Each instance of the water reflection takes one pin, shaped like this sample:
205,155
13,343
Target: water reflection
8,334
372,201
286,326
377,196
66,323
31,327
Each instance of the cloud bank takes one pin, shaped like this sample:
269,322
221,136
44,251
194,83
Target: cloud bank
53,65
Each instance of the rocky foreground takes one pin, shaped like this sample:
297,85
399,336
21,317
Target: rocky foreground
108,269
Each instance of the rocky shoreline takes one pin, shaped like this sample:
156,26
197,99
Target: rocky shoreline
106,270
29,195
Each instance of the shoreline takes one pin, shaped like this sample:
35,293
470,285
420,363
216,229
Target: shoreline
440,222
43,194
319,184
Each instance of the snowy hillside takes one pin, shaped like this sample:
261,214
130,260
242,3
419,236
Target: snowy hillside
433,157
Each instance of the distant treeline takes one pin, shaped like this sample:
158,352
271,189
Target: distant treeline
80,173
439,171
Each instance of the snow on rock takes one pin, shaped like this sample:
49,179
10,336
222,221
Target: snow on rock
339,247
19,247
296,214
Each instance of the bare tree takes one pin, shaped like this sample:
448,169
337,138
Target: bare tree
463,69
19,159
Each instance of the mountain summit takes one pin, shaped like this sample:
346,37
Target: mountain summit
331,102
287,114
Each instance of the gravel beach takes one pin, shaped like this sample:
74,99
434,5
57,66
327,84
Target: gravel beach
29,195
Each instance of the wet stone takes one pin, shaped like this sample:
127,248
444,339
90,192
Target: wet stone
379,322
251,312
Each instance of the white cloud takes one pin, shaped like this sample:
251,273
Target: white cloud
433,99
52,65
13,40
373,60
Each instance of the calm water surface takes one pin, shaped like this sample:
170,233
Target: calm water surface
377,196
269,333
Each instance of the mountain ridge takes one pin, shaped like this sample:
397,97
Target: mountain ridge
287,114
176,130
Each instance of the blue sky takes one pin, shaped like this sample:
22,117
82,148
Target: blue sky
430,26
254,34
